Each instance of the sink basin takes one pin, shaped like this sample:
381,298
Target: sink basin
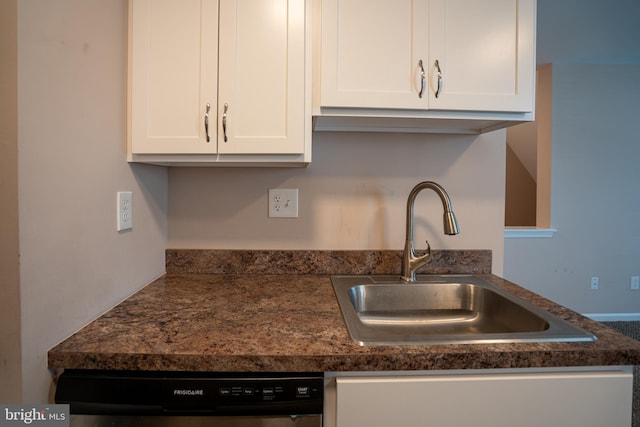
382,310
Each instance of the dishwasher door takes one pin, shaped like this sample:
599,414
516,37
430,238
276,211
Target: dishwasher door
194,421
191,399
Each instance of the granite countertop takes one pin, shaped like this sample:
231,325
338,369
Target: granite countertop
257,311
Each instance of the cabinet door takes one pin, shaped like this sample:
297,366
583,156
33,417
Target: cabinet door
261,106
486,53
371,52
173,76
497,400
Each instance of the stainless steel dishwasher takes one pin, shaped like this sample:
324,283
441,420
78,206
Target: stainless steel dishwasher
159,399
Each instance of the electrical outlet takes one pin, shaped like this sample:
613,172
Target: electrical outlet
283,203
595,283
125,210
635,283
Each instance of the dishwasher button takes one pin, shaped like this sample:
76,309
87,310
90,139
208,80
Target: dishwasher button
248,391
268,393
224,391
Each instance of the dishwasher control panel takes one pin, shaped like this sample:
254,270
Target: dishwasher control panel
137,392
239,390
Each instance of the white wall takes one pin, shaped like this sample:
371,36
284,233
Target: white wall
352,196
588,31
595,201
595,151
71,124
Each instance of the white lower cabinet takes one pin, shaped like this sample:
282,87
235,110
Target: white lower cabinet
525,397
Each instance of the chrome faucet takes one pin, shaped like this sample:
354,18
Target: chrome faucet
410,262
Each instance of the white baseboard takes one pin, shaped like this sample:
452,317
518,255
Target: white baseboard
613,317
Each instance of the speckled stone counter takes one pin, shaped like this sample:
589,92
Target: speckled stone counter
249,319
216,261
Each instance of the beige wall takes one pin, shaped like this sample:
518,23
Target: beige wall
520,193
529,162
74,265
11,388
352,196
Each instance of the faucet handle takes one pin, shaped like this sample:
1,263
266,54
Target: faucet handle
426,258
420,261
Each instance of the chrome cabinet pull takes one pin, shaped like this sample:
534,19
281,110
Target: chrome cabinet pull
224,121
206,122
439,79
423,79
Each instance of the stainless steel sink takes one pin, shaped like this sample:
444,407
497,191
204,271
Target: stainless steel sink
383,310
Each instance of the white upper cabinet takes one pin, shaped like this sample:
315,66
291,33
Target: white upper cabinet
219,81
486,53
371,51
173,69
436,64
262,77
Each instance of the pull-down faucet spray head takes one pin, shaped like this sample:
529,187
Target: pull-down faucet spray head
450,223
410,262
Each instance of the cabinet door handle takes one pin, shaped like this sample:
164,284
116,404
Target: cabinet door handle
224,121
439,79
206,122
423,79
